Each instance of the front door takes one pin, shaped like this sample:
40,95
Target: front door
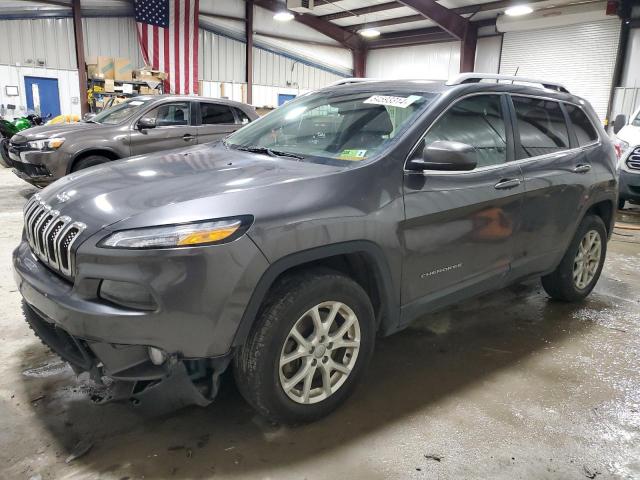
173,129
43,95
216,122
461,227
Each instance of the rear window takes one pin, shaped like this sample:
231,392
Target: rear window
582,126
541,125
213,113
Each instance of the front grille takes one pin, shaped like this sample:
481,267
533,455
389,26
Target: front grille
633,162
31,170
51,235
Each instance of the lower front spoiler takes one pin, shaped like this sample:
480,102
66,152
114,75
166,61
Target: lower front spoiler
126,373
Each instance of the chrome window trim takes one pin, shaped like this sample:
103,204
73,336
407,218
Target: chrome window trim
501,165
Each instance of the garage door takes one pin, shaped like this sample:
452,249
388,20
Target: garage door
582,56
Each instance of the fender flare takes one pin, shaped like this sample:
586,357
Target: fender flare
97,150
389,302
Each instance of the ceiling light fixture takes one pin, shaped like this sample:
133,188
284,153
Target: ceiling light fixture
518,10
369,33
283,16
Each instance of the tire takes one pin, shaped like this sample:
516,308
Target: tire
561,284
90,161
257,370
5,161
621,202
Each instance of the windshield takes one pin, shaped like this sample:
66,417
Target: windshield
337,127
118,113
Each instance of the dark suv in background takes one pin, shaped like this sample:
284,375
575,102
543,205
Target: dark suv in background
285,249
139,125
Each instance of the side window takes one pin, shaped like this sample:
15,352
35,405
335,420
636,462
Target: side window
242,117
541,125
213,114
171,114
477,121
582,126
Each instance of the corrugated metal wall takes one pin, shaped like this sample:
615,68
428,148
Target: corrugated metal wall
50,40
582,56
112,37
436,61
221,59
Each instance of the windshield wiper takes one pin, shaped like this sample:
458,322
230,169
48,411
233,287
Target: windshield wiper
271,152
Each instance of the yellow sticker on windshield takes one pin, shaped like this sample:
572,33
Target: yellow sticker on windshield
354,155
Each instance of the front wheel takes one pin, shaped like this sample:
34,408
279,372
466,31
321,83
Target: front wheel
621,202
309,348
582,263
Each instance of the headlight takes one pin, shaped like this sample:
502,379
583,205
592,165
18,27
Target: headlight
46,144
186,235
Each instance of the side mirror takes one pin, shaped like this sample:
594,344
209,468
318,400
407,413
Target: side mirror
445,156
145,123
88,116
619,123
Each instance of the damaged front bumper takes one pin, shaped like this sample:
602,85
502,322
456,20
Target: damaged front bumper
126,372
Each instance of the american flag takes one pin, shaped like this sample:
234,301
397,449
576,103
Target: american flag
168,35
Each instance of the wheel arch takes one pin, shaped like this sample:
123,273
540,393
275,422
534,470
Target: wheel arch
363,261
102,151
605,209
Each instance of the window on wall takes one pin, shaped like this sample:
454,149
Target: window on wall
213,113
541,125
477,121
582,126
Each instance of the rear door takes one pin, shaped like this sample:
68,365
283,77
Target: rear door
173,129
460,227
216,122
557,169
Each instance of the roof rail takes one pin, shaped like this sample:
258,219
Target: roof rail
478,77
347,81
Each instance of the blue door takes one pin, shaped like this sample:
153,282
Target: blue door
43,95
284,98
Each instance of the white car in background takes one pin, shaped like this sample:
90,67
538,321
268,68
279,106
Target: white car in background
627,143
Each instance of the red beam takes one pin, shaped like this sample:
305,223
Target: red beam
248,28
360,63
82,68
468,49
445,18
344,37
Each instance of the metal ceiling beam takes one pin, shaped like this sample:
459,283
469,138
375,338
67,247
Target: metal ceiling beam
445,18
346,38
361,11
405,38
387,22
57,3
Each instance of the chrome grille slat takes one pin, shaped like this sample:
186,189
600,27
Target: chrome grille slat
633,162
51,236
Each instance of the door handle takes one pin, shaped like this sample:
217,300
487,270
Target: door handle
583,168
507,183
187,137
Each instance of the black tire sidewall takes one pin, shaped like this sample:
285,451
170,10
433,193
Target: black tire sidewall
90,161
589,223
328,287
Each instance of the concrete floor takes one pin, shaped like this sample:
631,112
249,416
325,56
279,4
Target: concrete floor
509,386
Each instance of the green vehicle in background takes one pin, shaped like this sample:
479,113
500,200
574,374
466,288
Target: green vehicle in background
9,128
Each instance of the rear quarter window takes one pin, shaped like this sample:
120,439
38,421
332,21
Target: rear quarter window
541,126
582,126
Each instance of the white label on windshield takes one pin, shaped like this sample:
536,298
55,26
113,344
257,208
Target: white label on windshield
388,101
135,103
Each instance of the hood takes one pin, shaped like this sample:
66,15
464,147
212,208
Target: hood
48,131
205,181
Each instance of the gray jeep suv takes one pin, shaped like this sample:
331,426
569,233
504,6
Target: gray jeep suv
287,248
137,126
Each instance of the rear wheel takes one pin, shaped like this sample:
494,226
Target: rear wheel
90,161
5,161
582,263
621,202
309,348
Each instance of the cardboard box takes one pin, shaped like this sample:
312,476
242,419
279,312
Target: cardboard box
109,85
123,69
145,74
105,68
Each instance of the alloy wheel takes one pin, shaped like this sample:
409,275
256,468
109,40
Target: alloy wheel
587,260
319,352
